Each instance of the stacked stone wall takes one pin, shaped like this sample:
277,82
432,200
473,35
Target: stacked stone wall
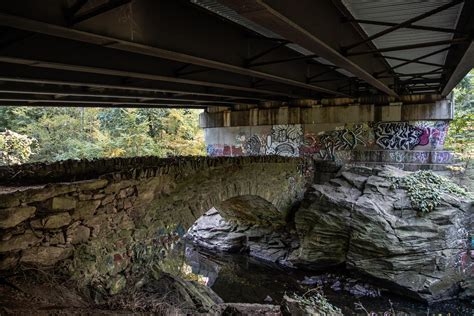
117,202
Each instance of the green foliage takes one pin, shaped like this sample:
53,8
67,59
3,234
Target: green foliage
461,131
77,133
425,189
14,148
316,301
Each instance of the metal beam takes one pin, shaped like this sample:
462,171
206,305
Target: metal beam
284,60
135,89
249,61
438,71
415,27
114,43
102,8
310,78
461,58
55,103
416,60
412,46
72,10
121,73
261,13
409,61
463,67
62,93
403,24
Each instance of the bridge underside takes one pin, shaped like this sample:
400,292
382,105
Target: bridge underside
226,53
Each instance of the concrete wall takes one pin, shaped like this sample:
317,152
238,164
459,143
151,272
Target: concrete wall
394,133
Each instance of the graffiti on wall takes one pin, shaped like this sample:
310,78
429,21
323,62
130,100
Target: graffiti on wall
405,136
283,140
344,139
397,138
400,135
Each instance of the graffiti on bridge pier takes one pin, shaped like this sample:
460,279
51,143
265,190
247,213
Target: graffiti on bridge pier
414,142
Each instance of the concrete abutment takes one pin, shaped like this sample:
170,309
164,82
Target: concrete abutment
409,134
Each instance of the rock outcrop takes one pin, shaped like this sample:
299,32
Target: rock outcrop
212,231
360,220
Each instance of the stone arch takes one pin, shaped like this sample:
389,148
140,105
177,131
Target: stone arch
269,190
133,200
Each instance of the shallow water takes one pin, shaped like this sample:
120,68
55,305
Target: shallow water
239,278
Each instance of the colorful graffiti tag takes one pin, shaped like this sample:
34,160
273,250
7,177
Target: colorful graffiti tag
343,139
399,136
292,140
404,136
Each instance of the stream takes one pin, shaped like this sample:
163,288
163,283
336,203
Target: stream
238,278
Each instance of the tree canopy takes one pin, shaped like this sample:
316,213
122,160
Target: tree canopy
461,130
32,134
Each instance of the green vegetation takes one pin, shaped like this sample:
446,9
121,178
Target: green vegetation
312,302
425,189
461,130
30,134
14,148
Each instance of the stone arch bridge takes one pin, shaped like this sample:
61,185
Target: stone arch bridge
47,210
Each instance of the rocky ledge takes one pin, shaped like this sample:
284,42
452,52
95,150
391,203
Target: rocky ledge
360,219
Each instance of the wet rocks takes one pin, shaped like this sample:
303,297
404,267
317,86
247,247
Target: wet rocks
340,283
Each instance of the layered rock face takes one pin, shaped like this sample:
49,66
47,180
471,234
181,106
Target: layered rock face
213,232
360,220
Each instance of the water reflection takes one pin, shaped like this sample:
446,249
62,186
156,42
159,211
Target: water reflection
239,278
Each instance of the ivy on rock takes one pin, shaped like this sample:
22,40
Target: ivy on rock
425,189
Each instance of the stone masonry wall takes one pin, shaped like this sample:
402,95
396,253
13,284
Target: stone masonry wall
44,218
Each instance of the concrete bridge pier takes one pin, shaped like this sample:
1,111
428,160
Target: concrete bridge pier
408,132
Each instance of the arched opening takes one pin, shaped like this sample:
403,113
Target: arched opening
246,223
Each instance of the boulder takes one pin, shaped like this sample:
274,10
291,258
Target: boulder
360,220
213,232
11,217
